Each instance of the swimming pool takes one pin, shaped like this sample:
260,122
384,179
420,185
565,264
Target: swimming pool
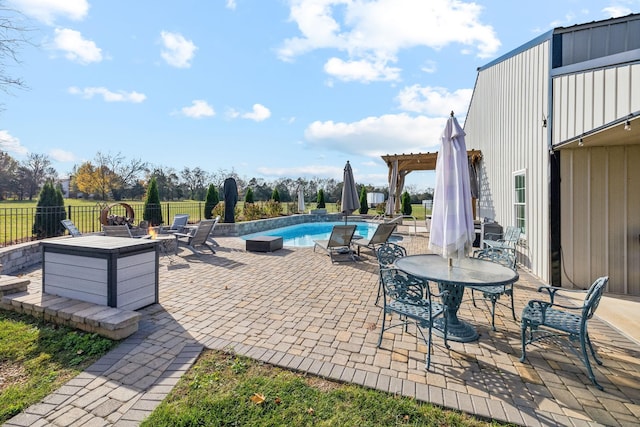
303,235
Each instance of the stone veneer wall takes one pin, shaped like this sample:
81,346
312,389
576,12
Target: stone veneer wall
17,257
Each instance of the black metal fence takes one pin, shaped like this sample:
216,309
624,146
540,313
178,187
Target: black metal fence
18,225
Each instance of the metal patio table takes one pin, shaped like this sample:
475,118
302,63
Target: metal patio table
453,278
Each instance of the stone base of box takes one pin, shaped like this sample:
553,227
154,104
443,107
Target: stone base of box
264,244
113,323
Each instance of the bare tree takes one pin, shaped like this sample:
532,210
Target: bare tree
36,169
12,38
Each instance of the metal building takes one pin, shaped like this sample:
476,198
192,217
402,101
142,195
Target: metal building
557,123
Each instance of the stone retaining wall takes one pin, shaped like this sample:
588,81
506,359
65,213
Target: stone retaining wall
17,257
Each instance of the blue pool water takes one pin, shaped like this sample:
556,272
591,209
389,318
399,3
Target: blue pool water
303,235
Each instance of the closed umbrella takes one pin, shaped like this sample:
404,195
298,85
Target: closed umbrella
393,182
452,229
300,199
350,199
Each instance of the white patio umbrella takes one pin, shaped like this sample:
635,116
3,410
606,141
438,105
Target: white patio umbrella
452,229
393,182
350,199
300,199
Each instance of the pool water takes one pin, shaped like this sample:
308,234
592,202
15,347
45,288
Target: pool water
303,235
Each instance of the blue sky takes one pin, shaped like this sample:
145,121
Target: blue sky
267,88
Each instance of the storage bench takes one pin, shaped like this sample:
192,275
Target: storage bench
264,243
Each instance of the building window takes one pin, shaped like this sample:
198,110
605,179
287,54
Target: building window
520,200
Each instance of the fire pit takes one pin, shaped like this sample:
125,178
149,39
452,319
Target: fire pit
106,218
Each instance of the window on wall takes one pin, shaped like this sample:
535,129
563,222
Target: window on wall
520,200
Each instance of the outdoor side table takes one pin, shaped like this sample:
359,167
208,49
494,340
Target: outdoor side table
113,271
264,243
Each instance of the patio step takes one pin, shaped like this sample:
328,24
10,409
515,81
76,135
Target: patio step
113,323
12,284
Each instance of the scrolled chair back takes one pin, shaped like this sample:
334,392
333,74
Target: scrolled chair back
592,300
388,253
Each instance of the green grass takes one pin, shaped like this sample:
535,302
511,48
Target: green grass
223,389
36,358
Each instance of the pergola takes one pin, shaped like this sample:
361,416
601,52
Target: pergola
418,162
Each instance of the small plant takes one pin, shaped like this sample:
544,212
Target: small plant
364,206
406,203
321,203
275,196
152,211
381,208
219,210
49,212
273,208
252,211
213,198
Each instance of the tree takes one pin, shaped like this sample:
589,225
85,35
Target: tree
11,39
49,212
406,204
321,204
213,198
275,196
248,197
364,205
8,168
36,169
152,210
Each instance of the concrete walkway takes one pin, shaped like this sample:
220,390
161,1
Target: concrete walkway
295,309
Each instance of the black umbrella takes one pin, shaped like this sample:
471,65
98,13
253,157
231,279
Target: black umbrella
350,198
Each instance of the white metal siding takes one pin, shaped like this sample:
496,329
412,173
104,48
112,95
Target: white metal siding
505,122
588,100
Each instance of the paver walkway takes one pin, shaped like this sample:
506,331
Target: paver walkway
295,309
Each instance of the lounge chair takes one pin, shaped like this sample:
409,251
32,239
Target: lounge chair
210,238
339,241
380,236
198,237
121,231
179,224
71,228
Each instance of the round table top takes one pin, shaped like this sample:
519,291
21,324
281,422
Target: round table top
465,271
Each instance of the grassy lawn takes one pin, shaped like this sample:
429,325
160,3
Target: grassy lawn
36,358
223,389
220,389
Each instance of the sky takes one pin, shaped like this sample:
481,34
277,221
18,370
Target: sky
265,88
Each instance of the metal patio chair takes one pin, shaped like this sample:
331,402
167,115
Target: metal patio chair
387,254
493,293
508,239
545,319
410,297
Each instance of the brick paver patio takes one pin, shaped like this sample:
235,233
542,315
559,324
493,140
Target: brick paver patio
295,309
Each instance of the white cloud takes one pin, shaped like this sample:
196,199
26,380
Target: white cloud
380,29
177,51
60,155
231,4
231,113
259,113
198,109
48,10
361,70
377,136
11,144
615,11
434,101
76,48
107,95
